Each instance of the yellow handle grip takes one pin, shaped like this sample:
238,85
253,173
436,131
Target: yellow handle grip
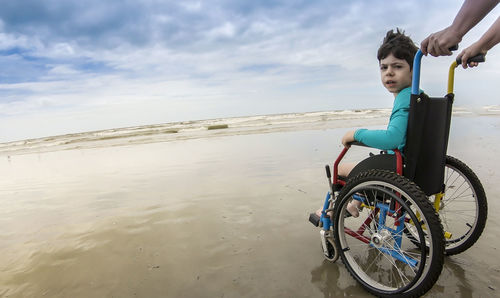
451,77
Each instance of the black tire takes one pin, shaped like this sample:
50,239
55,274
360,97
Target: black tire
463,209
380,263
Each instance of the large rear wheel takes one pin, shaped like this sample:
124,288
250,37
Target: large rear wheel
463,208
374,247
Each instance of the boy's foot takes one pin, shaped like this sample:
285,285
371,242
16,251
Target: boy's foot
353,208
318,212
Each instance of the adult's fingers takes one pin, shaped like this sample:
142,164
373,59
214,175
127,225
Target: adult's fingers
439,43
423,46
436,50
465,55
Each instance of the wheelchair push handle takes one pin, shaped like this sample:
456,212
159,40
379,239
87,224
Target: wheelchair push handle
451,73
415,83
478,58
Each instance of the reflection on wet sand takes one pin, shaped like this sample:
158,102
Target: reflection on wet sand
218,217
333,280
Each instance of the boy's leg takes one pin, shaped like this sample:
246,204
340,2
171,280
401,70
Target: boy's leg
344,170
382,162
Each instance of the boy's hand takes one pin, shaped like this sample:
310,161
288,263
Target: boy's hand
348,138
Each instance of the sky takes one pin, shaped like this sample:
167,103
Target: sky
72,66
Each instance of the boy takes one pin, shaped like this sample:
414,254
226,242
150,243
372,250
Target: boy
395,57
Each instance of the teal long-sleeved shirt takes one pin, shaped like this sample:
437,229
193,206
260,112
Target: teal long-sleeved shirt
395,134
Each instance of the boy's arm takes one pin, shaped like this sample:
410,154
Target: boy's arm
348,138
388,139
395,134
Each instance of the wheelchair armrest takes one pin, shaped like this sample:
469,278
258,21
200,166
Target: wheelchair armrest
356,143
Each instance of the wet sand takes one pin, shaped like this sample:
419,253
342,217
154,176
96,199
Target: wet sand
210,217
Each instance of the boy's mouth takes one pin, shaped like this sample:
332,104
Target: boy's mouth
390,83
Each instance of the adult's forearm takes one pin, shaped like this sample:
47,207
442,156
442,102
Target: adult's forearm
491,37
471,12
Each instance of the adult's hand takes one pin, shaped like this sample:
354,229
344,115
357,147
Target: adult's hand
470,52
439,43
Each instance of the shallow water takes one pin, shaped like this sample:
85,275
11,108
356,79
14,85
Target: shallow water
209,217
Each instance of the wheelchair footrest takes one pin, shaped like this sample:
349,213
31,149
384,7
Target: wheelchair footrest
314,219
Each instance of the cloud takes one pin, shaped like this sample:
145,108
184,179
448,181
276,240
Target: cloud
236,56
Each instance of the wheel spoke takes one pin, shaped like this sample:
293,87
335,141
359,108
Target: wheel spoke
463,207
389,261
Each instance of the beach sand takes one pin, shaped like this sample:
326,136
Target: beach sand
224,216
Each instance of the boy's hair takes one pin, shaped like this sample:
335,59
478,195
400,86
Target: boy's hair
399,45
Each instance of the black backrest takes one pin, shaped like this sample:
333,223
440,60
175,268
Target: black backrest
427,141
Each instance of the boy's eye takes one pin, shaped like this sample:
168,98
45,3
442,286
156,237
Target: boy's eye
383,67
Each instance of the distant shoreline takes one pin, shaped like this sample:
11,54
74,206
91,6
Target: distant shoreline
184,130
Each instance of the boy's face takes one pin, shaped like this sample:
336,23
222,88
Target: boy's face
395,74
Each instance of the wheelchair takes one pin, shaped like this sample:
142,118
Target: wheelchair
432,205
